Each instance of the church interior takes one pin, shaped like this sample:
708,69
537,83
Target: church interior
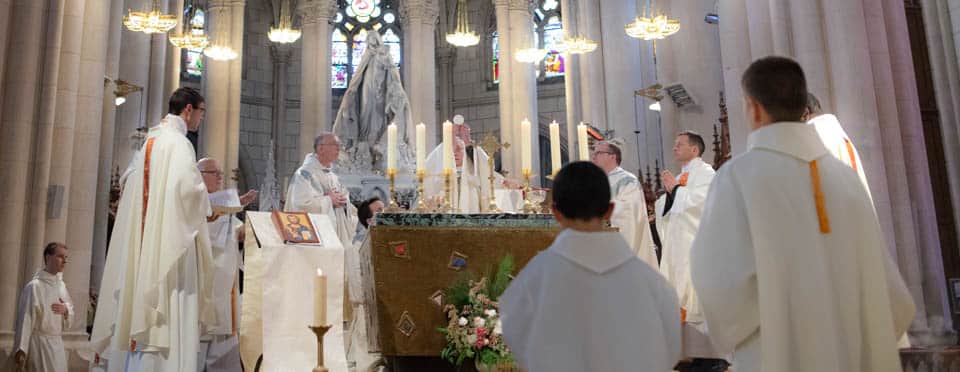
82,83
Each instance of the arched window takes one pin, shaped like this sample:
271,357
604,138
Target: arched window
547,34
354,19
191,61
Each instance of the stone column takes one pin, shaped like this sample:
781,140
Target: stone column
419,19
315,96
281,60
221,129
155,100
523,83
106,166
171,75
445,57
622,70
508,158
591,74
134,69
571,80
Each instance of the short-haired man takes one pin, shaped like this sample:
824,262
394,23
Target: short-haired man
45,311
315,188
790,263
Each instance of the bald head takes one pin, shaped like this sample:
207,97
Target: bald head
212,174
327,148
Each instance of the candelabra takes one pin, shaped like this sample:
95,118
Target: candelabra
392,207
447,206
421,204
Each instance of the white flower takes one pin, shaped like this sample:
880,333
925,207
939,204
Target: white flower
498,329
462,321
479,322
491,313
471,339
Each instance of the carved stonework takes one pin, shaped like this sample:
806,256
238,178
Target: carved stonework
421,11
524,5
314,11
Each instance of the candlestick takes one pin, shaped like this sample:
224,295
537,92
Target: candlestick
528,206
525,154
392,206
582,143
320,298
320,331
447,146
492,207
555,147
447,206
421,147
392,147
421,204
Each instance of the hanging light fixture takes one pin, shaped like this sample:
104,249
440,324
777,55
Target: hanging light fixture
652,27
463,37
152,22
284,33
577,45
123,89
193,37
220,50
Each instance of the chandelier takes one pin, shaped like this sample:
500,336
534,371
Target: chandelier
577,45
284,33
192,37
529,55
463,37
153,22
221,50
653,27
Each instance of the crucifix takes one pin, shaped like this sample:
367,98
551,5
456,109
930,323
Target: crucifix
491,145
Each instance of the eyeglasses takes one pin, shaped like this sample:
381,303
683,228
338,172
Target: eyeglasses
602,152
219,173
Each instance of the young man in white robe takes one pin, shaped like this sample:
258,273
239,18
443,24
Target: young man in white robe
315,188
220,345
789,262
470,184
157,287
630,208
588,303
678,218
44,312
834,138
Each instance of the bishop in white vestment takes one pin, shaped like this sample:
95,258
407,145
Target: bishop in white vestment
588,303
470,184
790,263
630,207
156,293
314,188
44,312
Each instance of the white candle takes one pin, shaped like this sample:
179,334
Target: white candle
320,299
555,146
421,146
447,146
392,147
525,154
582,142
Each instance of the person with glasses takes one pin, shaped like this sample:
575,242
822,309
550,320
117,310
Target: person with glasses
630,208
315,188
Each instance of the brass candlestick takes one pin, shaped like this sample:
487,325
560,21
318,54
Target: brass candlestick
447,206
492,146
528,206
392,207
492,207
421,204
320,331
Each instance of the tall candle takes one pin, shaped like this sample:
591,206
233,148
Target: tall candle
392,147
582,143
525,145
421,146
447,146
320,299
555,146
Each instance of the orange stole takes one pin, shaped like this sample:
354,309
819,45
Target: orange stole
853,157
683,178
818,199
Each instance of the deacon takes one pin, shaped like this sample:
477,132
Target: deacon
220,345
314,188
630,208
790,264
44,312
678,218
834,138
157,287
470,185
588,303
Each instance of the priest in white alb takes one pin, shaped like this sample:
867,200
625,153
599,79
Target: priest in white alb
470,184
587,302
630,208
44,312
678,218
790,264
834,138
157,288
315,188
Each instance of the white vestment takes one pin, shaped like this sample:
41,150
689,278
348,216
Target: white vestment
838,143
630,214
38,329
588,303
308,193
470,192
157,286
677,227
220,346
788,285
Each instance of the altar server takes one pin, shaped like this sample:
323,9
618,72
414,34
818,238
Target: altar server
44,312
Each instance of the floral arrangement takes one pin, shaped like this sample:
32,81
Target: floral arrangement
474,329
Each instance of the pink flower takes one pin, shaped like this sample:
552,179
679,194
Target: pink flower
481,332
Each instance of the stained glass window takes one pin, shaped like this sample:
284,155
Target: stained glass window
191,61
354,19
547,33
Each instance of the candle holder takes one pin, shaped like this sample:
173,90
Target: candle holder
392,207
320,331
447,206
421,204
528,206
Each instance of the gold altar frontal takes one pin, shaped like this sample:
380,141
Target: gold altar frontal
410,259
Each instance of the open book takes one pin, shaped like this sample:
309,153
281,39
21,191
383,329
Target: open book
225,202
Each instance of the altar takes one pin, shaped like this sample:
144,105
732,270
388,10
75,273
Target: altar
409,259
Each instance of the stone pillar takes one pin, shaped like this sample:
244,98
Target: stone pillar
134,69
221,129
571,81
419,19
445,57
315,96
106,166
591,74
155,100
523,83
622,67
171,74
281,60
508,158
